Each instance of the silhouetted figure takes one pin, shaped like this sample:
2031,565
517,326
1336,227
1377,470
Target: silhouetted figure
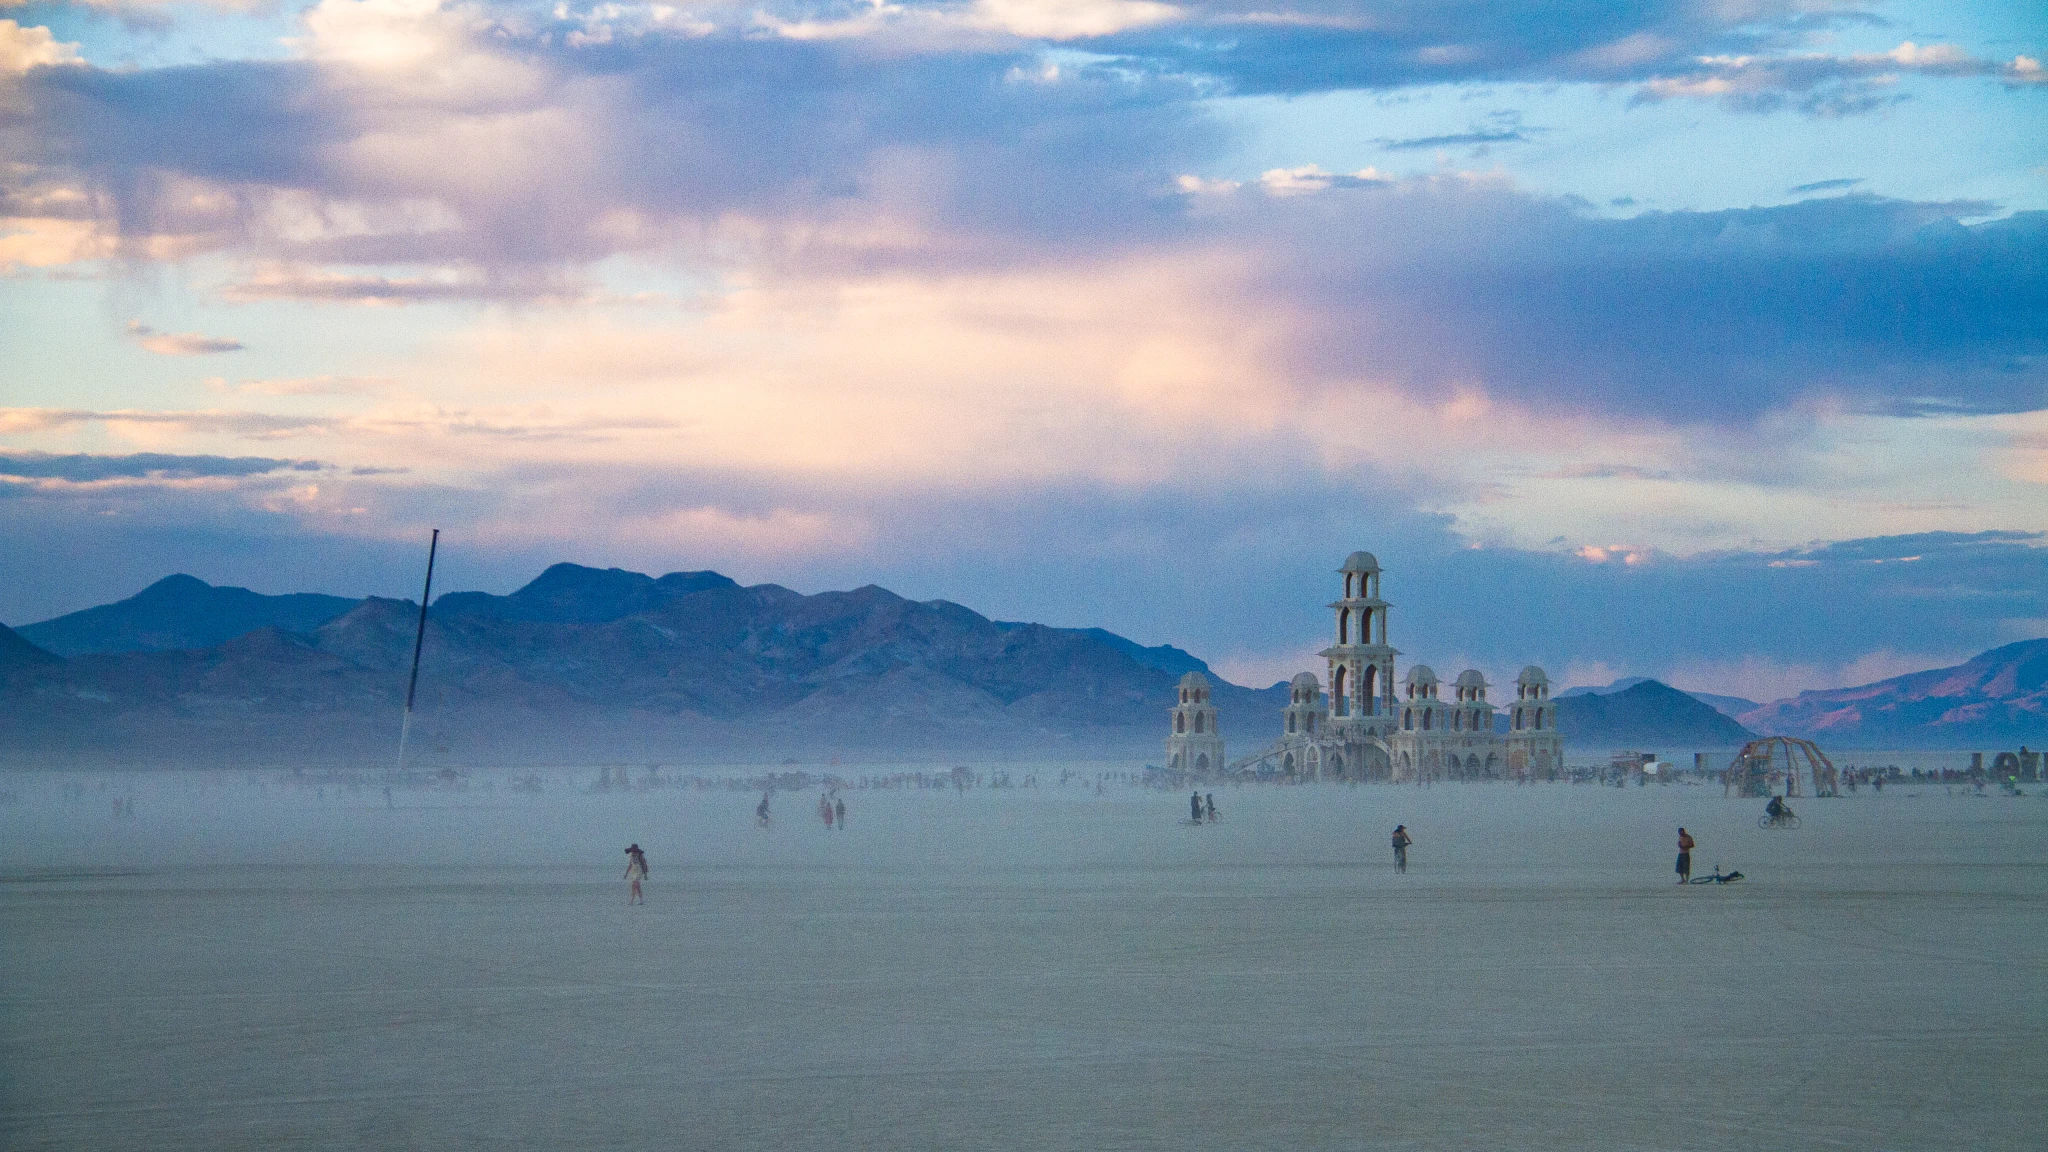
1195,807
825,810
636,871
1211,798
839,810
761,811
1685,847
1401,842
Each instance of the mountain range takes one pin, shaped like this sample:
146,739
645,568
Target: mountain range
181,612
1995,699
1731,706
585,663
1646,715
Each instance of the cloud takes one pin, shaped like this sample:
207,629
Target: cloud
302,386
1456,140
1070,19
251,425
305,283
179,344
1826,185
82,468
1307,178
23,49
1828,85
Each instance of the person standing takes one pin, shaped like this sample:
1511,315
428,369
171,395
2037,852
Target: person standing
1401,842
1195,808
839,810
1211,797
636,871
825,810
1685,846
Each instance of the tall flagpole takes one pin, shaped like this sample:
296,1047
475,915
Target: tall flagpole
419,640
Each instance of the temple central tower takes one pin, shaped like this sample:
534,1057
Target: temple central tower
1361,662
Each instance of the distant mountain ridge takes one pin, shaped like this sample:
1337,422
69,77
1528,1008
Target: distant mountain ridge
1997,699
1646,714
17,652
1730,706
587,662
181,612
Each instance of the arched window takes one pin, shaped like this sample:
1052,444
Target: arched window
1180,722
1290,723
1311,722
1371,686
1199,718
1343,625
1457,721
1426,719
1408,718
1202,762
1539,718
1339,698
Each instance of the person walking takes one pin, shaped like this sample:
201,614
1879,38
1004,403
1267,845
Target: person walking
825,810
1685,846
1195,808
839,810
1401,842
636,871
1211,797
761,811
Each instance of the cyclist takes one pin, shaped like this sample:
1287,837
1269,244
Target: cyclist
1778,810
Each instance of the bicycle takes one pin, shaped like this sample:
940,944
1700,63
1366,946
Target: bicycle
1719,877
1769,821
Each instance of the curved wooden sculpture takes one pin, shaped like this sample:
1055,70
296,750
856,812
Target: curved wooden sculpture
1761,763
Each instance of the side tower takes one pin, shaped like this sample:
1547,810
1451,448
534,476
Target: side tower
1472,728
1300,754
1417,746
1193,745
1304,705
1361,670
1535,746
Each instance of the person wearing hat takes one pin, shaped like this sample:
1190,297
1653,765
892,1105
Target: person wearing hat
636,871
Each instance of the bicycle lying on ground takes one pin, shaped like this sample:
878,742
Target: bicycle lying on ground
1787,820
1719,877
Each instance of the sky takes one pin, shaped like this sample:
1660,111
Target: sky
1702,340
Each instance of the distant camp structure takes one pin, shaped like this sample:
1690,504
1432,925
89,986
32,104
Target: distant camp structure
1367,728
1763,765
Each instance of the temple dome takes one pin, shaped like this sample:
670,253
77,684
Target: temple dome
1471,678
1305,680
1421,674
1532,675
1360,562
